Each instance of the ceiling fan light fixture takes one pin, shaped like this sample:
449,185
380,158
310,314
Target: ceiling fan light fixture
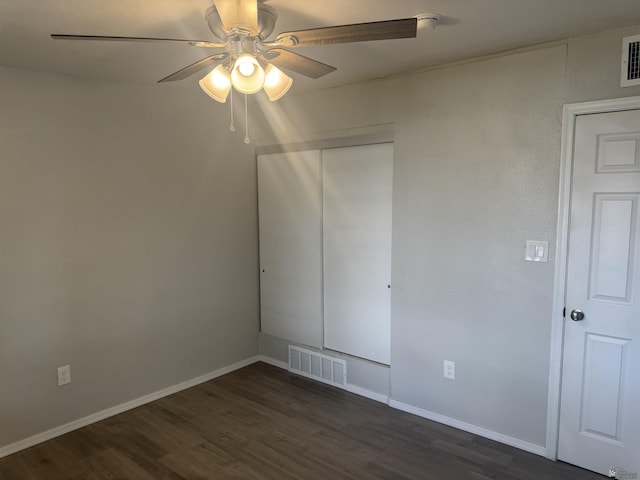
276,83
217,84
248,62
247,76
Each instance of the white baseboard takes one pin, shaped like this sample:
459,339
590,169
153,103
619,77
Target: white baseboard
363,392
452,422
109,412
123,407
273,361
468,427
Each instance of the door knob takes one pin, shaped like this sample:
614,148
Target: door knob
577,315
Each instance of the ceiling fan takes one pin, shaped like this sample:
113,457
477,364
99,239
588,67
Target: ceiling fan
249,61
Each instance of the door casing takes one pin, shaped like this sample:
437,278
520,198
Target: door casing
570,114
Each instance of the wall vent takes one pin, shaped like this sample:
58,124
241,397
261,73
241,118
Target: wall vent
317,366
630,61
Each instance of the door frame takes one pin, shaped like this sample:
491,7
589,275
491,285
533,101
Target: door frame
569,116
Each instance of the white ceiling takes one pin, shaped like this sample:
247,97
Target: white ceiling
469,28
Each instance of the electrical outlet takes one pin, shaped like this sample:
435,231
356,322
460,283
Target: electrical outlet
449,369
64,375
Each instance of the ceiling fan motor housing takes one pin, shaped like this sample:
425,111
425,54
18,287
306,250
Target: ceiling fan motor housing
267,18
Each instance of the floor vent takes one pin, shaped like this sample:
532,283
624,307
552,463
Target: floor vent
630,61
317,366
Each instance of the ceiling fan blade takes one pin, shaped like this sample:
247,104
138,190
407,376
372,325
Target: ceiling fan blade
358,32
195,67
298,63
238,14
192,43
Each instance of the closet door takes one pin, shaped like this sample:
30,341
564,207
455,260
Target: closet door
290,220
357,188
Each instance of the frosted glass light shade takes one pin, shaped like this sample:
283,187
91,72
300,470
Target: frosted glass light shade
217,84
247,75
276,83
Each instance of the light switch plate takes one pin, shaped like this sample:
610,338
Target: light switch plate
536,251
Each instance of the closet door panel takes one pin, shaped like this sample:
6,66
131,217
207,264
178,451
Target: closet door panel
290,222
357,199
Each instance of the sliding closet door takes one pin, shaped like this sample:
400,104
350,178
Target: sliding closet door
357,250
290,204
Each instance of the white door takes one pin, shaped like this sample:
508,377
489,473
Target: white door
290,205
600,394
357,189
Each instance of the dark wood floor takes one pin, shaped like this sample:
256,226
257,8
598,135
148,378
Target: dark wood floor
262,422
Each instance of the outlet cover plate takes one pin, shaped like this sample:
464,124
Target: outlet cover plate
64,375
449,370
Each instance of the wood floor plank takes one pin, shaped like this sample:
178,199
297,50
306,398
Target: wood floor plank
264,423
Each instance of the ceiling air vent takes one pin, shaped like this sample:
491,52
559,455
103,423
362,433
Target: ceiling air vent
630,61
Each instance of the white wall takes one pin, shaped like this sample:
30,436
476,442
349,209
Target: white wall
128,239
593,66
477,157
476,178
128,245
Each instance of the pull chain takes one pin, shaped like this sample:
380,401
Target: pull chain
247,140
232,127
